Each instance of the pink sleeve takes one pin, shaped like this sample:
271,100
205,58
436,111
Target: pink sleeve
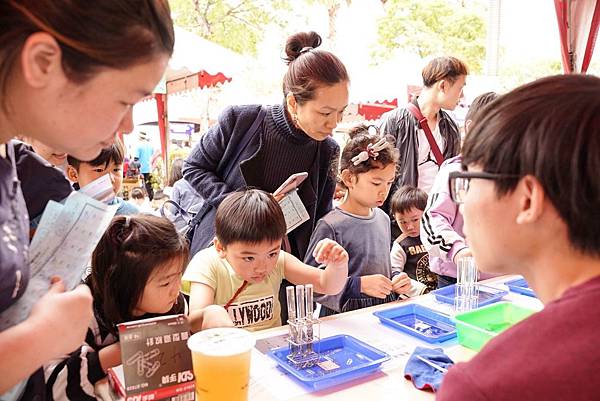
441,225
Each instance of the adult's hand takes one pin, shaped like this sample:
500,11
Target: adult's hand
62,318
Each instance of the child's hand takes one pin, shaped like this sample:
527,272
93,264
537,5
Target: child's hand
330,253
216,316
209,317
463,253
376,285
401,283
110,356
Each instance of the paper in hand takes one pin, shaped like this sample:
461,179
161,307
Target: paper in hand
293,210
62,246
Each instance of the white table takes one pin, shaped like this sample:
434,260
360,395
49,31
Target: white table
270,384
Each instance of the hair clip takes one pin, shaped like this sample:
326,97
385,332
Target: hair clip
305,49
372,150
127,220
373,130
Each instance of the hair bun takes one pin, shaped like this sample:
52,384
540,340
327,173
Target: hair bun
300,43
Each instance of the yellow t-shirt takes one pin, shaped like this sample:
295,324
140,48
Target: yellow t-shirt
256,307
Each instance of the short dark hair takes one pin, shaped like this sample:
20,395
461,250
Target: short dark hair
408,197
448,68
548,129
250,216
137,193
479,103
360,138
309,68
115,153
129,252
138,30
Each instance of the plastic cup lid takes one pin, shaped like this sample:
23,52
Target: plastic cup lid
224,341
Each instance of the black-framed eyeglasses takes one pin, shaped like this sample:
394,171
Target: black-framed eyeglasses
459,181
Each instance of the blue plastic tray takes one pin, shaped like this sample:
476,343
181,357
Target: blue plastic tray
419,321
487,295
520,286
353,357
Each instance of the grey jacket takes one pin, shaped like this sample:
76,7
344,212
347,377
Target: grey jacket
404,127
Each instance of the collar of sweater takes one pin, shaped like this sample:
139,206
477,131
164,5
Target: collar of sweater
284,126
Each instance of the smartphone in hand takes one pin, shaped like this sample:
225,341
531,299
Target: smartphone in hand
291,183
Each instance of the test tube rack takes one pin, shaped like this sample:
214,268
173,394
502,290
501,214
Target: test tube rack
304,329
467,288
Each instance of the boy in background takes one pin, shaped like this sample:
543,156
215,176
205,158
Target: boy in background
109,161
138,198
408,253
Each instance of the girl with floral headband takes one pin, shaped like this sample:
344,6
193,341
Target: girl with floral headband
367,171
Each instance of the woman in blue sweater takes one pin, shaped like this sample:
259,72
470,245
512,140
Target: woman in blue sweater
263,145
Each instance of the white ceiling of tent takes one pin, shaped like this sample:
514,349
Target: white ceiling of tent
193,53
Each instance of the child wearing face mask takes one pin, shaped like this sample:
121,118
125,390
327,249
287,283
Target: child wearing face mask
109,161
367,171
136,274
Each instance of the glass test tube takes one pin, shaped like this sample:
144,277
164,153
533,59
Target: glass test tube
293,327
309,318
301,314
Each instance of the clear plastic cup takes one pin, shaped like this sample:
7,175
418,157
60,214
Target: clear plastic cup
467,290
221,360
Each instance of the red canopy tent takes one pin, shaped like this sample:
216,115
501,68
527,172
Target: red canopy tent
196,64
201,79
578,22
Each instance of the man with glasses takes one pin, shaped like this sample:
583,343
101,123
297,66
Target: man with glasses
530,197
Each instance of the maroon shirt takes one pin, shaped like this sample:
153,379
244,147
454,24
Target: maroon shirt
553,355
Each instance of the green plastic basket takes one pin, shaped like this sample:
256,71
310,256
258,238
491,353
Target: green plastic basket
475,328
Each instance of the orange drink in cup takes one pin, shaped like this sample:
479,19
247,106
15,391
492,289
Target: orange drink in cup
221,360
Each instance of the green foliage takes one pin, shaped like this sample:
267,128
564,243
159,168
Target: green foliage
237,25
433,28
178,153
516,74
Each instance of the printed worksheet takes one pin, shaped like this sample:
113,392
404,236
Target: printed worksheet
62,246
293,210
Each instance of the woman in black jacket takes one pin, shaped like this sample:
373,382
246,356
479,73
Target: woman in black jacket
261,146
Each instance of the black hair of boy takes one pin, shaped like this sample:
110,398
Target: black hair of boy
480,102
478,105
249,216
535,131
137,193
408,197
360,138
114,153
125,258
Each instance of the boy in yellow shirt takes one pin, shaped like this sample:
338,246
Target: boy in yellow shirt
245,267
